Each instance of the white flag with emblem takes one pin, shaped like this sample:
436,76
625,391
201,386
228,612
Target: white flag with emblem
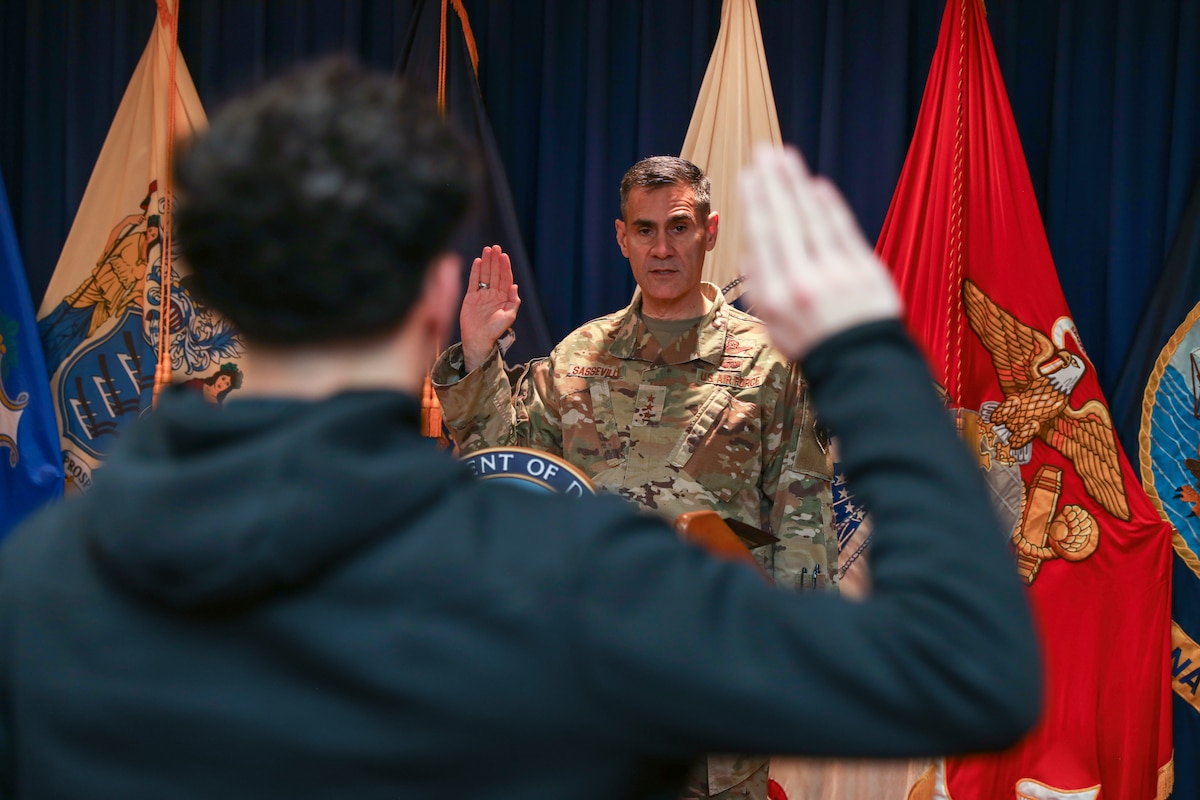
734,112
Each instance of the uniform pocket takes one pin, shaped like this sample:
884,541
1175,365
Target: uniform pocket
589,432
722,446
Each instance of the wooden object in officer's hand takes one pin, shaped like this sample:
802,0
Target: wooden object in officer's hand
729,539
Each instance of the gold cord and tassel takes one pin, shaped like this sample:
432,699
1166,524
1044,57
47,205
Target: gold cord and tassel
163,371
431,409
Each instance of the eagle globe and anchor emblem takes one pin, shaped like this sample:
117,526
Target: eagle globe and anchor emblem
1037,375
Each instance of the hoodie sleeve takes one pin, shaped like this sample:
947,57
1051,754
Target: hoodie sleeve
692,654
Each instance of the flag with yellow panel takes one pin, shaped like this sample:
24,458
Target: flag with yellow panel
101,321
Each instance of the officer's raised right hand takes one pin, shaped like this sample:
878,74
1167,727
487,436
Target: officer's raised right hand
489,307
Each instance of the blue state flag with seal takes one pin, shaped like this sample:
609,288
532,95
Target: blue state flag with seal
31,470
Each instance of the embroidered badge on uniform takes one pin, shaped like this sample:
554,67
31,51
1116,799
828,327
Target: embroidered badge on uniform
591,371
648,407
733,347
729,379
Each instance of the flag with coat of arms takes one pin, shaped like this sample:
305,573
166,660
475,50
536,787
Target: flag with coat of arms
101,320
965,240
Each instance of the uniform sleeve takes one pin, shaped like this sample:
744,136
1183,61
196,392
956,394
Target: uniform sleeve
797,470
495,406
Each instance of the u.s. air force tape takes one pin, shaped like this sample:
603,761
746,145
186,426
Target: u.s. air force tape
529,469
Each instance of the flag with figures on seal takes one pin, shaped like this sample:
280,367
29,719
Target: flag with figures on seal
101,321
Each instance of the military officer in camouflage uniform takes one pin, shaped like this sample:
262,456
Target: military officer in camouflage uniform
678,402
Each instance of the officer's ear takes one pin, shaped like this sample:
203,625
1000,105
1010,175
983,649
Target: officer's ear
710,230
621,240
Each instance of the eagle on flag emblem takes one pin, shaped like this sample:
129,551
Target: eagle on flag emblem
1037,378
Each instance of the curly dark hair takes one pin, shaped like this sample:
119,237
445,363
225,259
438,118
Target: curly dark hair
311,208
658,171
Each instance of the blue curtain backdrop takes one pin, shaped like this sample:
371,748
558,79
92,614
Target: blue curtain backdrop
493,218
1105,94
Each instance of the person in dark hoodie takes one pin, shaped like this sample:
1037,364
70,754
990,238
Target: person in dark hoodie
364,619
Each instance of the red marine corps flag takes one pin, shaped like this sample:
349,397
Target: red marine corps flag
965,240
100,322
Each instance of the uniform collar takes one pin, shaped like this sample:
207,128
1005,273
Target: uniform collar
705,342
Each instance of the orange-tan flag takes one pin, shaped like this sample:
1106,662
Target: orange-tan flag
100,320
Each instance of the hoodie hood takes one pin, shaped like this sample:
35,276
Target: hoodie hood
205,506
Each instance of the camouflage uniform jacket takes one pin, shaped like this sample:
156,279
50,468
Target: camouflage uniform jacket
720,420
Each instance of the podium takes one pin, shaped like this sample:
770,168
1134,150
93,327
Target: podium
727,539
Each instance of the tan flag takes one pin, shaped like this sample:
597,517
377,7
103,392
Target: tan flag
734,112
100,320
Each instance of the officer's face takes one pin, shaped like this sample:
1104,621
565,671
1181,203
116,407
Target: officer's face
665,244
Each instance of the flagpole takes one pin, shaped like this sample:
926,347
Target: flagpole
468,37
